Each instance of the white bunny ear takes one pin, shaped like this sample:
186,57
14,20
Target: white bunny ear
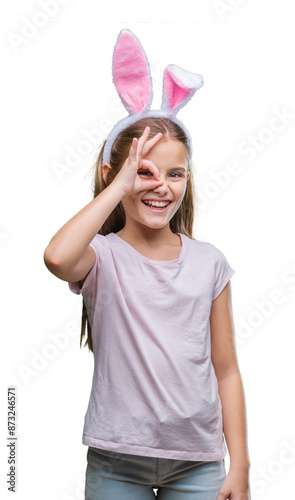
179,87
131,73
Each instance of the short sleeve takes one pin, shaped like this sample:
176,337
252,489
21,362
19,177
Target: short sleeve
222,271
101,246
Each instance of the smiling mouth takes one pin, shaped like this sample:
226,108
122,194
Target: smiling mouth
154,208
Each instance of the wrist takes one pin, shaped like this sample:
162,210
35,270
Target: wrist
240,465
117,188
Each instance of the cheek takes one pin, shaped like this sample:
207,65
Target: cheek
180,189
180,193
130,204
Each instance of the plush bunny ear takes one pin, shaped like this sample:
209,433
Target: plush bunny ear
131,73
179,87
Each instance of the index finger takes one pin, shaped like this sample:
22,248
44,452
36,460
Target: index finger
150,143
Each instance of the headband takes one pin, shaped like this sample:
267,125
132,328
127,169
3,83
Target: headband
132,79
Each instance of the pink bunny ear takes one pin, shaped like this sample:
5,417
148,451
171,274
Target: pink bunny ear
131,73
179,87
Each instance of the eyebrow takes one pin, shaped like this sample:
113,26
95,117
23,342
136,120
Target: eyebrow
177,168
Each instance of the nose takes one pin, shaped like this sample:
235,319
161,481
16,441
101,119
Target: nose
163,187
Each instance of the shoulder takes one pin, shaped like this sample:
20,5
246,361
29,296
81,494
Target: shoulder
203,247
101,242
209,253
208,247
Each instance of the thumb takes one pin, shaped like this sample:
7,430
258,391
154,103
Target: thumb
224,494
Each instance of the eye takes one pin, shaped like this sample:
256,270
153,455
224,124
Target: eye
175,173
144,172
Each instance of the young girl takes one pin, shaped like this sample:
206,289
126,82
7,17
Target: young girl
157,305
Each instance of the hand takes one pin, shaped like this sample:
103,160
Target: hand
128,177
235,486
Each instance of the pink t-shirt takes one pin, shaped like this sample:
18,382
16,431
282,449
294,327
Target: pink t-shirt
154,390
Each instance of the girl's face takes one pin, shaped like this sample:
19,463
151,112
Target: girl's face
169,156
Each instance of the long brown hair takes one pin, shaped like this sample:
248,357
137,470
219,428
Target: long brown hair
182,220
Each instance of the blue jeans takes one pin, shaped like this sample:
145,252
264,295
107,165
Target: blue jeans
120,476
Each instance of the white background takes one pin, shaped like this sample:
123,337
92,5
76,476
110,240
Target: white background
57,87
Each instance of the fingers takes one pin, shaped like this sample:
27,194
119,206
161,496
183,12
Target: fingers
149,165
133,148
140,147
142,140
149,144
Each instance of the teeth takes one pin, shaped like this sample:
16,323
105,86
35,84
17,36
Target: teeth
156,203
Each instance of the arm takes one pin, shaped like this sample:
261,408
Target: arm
230,387
68,254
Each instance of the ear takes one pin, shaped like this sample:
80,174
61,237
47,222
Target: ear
105,170
179,87
131,73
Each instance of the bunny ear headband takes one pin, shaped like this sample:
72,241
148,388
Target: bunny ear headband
132,79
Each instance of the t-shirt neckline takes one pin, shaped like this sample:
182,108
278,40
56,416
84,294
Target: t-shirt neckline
153,261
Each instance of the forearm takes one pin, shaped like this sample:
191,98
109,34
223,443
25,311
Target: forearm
234,419
71,240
